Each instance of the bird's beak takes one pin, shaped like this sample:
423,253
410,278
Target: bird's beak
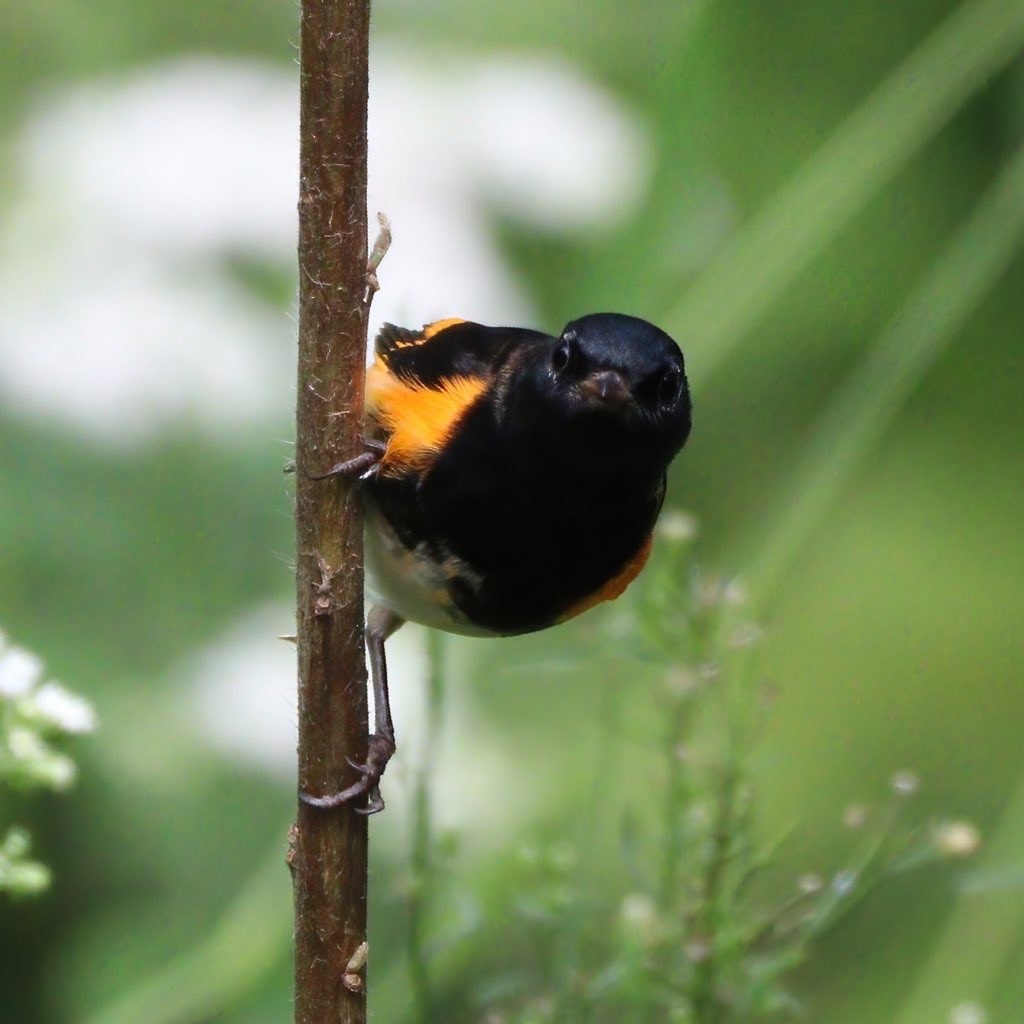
608,388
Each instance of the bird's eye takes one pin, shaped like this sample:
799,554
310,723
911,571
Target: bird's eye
562,356
668,387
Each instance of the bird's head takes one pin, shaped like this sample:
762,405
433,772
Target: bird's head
618,380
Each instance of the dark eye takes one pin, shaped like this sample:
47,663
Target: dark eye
562,356
668,387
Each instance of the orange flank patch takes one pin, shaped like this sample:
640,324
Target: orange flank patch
615,586
416,420
429,330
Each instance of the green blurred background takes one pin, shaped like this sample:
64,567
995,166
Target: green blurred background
821,200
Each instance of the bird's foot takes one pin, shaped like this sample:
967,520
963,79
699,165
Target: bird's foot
379,751
363,465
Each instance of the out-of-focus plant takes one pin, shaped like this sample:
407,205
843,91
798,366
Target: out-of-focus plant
34,716
694,937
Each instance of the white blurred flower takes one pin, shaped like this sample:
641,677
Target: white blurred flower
548,146
58,772
844,882
18,874
968,1013
136,193
26,745
855,815
957,838
63,709
37,761
746,634
639,916
676,526
905,783
810,883
20,671
736,594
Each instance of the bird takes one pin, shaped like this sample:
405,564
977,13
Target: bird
512,481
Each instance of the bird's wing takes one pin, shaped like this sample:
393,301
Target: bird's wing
423,381
449,348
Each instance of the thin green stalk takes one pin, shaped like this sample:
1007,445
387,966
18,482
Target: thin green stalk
907,109
421,868
706,1007
921,331
677,800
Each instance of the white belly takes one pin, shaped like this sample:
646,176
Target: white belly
413,587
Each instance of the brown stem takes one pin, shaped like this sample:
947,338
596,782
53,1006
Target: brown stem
328,849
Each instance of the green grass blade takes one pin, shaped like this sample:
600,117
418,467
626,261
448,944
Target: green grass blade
905,110
925,325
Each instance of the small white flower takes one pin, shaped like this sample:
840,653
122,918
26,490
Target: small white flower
810,883
957,838
746,634
681,682
15,845
844,882
855,815
19,672
64,709
639,916
709,671
57,772
697,949
905,783
39,762
676,526
735,594
968,1013
26,745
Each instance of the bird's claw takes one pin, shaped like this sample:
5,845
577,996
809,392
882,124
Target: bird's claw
363,465
378,754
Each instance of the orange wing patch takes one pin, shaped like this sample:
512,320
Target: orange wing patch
429,330
615,586
416,420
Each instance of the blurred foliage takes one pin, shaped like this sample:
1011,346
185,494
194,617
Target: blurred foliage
686,931
833,233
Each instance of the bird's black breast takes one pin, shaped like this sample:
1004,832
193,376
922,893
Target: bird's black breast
527,531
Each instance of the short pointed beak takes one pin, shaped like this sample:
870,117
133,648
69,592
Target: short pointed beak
607,387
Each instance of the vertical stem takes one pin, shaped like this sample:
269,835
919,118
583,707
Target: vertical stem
328,854
677,793
706,1006
421,857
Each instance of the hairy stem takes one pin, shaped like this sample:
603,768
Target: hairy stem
328,850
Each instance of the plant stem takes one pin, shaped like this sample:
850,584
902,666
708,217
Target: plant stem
421,859
706,1007
328,854
677,800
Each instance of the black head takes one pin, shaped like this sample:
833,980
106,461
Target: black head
618,380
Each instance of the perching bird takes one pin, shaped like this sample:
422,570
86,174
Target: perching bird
512,480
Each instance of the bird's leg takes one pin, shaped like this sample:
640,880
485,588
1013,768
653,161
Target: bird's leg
363,465
381,623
